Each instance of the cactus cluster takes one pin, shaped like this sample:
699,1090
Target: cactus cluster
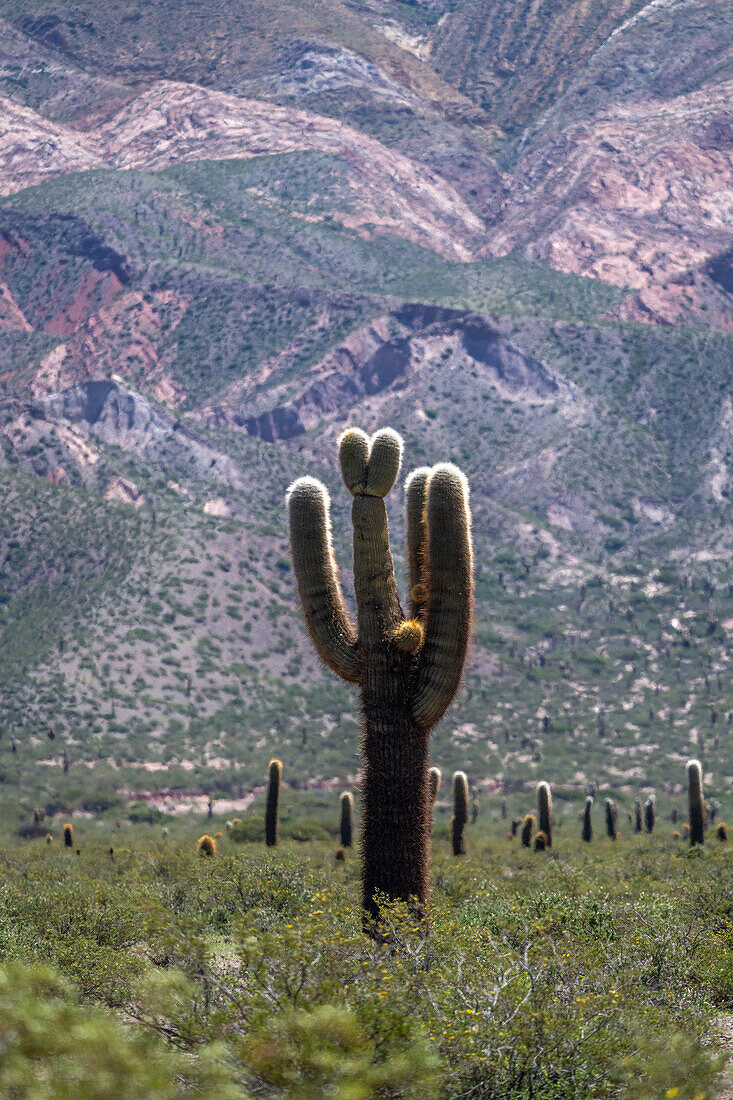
406,664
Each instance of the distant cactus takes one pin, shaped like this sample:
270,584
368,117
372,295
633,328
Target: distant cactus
460,813
339,855
650,813
206,845
346,824
475,806
164,832
544,812
676,835
722,831
588,819
408,664
611,818
218,835
527,830
541,841
516,822
638,822
38,816
273,803
49,838
695,800
69,835
434,777
685,831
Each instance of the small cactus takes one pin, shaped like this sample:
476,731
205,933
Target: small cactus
346,824
588,819
339,855
460,813
49,838
676,835
722,831
527,830
611,818
638,823
516,822
541,841
206,845
69,835
695,798
544,812
434,777
650,813
685,831
273,803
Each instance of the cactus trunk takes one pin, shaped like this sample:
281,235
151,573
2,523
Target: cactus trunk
697,805
395,812
346,823
544,812
273,804
460,813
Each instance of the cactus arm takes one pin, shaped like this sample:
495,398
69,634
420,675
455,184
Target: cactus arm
449,571
316,576
415,523
375,587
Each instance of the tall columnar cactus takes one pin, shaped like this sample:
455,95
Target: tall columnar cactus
273,803
544,811
638,824
407,665
527,830
650,813
611,817
69,835
346,823
694,794
434,778
460,813
588,819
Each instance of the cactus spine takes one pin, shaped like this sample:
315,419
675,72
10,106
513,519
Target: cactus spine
346,824
460,813
527,829
407,664
696,803
588,819
69,835
434,778
273,803
544,812
611,817
650,813
638,826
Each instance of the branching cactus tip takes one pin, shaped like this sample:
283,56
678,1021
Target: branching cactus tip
407,664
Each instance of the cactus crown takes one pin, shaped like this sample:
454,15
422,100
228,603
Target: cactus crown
432,638
434,778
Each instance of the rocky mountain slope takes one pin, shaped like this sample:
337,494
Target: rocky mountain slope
224,235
